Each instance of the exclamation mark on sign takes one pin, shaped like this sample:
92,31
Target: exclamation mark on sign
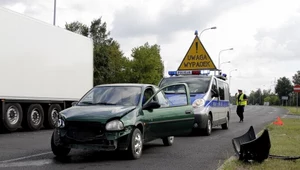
196,47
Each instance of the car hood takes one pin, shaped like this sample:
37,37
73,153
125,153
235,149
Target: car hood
98,113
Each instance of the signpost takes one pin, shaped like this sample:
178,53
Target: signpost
197,58
297,90
284,98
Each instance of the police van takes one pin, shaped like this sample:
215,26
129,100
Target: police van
209,96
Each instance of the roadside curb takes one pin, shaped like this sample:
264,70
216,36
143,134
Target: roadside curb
228,160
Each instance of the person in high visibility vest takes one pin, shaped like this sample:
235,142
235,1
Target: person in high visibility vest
241,102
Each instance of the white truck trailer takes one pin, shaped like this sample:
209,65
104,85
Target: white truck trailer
43,69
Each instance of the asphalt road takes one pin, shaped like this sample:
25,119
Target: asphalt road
31,150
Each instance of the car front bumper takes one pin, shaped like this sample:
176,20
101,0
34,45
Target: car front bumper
108,141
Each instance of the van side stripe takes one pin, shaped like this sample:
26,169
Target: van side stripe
215,103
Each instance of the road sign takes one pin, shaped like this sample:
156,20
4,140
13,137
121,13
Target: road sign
297,88
284,97
197,58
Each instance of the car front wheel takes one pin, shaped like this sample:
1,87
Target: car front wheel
168,141
59,151
136,145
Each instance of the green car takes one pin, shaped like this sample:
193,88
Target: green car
123,117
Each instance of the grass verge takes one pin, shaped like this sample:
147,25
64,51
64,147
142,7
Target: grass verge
293,110
285,141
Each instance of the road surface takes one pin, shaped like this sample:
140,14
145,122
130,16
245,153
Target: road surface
31,150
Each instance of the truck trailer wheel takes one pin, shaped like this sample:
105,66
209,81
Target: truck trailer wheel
13,116
52,116
34,117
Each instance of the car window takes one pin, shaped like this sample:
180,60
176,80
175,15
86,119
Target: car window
175,95
147,94
162,100
221,90
112,95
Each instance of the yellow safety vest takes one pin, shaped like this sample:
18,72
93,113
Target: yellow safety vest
242,101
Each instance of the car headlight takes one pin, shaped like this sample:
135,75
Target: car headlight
60,123
198,103
114,125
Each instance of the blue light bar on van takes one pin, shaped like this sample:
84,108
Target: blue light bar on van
187,72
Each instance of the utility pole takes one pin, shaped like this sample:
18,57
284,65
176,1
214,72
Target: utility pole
54,16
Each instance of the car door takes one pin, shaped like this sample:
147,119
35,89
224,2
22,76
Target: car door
168,118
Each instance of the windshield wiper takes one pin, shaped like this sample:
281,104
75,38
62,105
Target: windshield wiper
105,103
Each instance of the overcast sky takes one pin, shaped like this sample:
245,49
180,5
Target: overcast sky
265,34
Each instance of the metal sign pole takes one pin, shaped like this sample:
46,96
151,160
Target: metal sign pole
297,100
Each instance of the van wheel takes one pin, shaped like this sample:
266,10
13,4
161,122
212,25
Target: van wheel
168,141
226,125
207,130
12,117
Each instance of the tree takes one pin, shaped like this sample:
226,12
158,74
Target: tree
147,66
78,28
108,57
272,99
284,87
296,78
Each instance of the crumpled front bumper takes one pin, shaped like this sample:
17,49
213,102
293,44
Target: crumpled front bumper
108,141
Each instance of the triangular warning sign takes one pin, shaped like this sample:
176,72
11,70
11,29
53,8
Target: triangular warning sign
197,58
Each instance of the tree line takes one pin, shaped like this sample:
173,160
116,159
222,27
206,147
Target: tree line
284,87
110,63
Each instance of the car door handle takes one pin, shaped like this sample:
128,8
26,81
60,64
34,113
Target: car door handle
188,112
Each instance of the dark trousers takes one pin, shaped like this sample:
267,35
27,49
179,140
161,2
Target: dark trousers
240,112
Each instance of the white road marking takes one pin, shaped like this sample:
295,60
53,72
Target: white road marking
27,163
24,157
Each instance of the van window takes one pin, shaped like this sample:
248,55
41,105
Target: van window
221,90
214,85
195,84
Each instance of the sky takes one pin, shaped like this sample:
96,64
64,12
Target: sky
264,34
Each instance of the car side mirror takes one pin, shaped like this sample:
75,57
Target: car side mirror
74,103
151,105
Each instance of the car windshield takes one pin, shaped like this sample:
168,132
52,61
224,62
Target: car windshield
112,95
195,84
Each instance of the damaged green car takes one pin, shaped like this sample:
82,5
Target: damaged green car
123,117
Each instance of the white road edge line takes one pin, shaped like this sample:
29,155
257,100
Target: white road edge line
24,157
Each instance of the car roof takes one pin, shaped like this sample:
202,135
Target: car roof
127,84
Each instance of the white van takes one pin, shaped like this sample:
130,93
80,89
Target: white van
209,96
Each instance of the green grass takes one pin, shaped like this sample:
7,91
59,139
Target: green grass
293,110
285,141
